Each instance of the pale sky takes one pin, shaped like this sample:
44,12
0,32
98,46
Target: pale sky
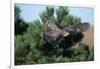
30,12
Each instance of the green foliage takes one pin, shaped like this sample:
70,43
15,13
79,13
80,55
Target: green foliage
91,55
20,24
49,11
27,45
30,48
70,20
61,12
81,53
21,49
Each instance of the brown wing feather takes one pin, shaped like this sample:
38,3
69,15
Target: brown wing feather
77,28
51,36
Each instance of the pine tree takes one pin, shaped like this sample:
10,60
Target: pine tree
20,24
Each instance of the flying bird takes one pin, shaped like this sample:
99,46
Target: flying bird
56,32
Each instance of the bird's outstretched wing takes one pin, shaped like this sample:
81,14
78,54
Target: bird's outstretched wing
51,36
77,28
54,35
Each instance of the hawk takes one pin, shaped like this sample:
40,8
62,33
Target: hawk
57,32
